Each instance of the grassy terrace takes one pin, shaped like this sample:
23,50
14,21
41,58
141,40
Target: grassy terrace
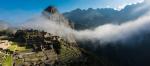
15,47
68,52
8,60
2,57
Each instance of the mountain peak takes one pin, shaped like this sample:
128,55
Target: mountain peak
51,9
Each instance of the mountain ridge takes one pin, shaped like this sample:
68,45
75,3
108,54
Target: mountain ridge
91,18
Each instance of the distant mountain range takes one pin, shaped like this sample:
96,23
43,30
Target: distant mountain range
135,52
92,18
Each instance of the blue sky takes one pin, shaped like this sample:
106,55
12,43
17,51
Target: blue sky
20,10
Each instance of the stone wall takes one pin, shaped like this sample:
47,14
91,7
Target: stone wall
4,44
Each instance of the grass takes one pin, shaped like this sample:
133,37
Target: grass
1,58
68,52
19,61
14,47
8,61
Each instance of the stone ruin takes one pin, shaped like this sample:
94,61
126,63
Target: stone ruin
38,40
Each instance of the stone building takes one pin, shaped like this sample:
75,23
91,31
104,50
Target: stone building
38,40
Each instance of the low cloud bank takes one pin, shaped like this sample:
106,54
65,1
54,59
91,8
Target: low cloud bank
113,33
3,26
104,34
56,28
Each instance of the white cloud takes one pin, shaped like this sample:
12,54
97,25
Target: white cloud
105,33
122,4
113,33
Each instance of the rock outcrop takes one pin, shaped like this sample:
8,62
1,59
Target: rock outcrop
52,14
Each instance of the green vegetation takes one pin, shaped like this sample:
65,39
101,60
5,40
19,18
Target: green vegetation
68,52
51,50
8,60
15,47
1,57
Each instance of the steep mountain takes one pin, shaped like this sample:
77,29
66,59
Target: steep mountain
136,53
53,22
43,49
52,14
31,47
92,18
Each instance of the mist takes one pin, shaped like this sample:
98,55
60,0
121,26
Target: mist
3,25
106,33
42,23
124,32
113,32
